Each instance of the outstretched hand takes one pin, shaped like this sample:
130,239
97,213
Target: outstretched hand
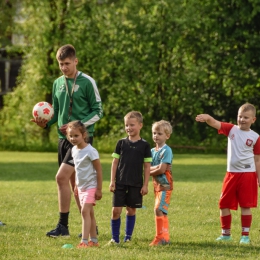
202,118
39,121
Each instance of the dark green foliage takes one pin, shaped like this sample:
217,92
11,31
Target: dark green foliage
168,59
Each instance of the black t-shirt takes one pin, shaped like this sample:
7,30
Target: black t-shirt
132,156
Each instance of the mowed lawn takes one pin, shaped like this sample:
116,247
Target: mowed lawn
28,205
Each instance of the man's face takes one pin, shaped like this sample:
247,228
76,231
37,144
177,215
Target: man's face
68,67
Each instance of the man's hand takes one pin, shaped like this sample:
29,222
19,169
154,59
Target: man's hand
39,121
63,129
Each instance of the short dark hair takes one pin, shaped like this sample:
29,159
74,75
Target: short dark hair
66,51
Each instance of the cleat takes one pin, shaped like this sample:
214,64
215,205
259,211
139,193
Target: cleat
157,241
2,224
224,238
82,245
112,242
92,244
127,239
245,240
60,230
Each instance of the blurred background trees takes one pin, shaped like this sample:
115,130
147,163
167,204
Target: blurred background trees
169,59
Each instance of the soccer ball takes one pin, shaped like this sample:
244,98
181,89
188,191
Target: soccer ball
43,110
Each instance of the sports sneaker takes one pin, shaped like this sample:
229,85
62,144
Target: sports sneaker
127,239
244,240
224,238
92,244
112,242
60,230
82,245
2,224
157,241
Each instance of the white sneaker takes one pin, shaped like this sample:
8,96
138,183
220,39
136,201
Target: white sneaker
2,224
112,242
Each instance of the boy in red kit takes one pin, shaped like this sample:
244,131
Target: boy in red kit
240,185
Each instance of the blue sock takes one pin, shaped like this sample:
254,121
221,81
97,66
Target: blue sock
129,227
115,227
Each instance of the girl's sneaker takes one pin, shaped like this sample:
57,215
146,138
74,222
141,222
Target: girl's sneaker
82,245
92,244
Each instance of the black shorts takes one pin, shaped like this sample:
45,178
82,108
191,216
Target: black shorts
64,151
127,196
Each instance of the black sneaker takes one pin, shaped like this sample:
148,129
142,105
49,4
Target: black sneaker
60,230
80,235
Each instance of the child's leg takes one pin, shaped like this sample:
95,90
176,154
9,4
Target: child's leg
86,212
93,230
130,223
225,220
246,220
115,223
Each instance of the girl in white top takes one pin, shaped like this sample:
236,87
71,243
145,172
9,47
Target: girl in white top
88,180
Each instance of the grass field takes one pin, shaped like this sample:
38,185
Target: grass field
29,207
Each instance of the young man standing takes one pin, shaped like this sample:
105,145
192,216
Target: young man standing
75,96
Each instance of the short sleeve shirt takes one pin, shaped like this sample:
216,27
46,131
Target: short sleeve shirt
86,175
132,156
242,146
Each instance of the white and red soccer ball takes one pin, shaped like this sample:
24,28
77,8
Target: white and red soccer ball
43,110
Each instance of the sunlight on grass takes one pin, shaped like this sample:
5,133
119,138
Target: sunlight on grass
29,207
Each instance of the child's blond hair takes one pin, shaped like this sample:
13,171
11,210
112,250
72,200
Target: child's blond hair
163,125
248,107
134,114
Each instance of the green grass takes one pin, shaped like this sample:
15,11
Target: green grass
29,207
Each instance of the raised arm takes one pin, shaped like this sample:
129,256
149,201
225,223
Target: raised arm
209,120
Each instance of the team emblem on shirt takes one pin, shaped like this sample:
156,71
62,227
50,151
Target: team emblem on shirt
62,88
76,88
249,142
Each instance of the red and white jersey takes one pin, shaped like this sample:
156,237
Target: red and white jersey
242,146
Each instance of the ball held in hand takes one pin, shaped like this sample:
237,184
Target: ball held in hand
43,110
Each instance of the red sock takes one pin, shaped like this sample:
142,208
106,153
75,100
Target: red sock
225,224
246,221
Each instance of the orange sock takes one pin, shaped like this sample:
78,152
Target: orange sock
166,234
159,226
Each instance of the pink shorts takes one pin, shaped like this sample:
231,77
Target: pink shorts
87,196
239,188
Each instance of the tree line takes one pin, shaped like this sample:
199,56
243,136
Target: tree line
169,59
